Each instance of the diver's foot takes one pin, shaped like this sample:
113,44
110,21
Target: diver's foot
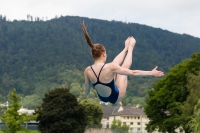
127,43
132,42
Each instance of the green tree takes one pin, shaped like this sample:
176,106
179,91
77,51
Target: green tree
50,53
93,111
2,110
12,118
31,101
194,123
76,89
117,124
165,101
187,107
2,98
60,113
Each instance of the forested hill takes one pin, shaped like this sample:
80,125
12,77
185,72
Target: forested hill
36,56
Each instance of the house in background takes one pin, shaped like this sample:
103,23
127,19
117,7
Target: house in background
26,111
134,117
107,112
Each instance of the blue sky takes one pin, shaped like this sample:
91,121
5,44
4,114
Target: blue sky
179,16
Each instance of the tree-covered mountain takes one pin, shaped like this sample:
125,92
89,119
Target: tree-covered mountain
37,56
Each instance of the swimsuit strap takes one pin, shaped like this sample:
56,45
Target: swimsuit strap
99,71
93,72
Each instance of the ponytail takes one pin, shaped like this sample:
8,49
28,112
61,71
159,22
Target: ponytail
96,49
87,37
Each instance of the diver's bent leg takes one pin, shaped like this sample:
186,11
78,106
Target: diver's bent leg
128,60
122,80
121,83
120,57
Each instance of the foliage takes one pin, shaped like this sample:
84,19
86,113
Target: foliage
195,121
12,118
60,112
117,124
78,90
38,56
133,101
93,111
2,98
192,99
192,105
24,131
2,109
31,101
165,102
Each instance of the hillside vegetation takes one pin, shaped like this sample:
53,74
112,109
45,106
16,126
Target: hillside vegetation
38,56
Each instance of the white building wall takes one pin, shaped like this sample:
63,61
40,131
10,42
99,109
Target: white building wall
137,123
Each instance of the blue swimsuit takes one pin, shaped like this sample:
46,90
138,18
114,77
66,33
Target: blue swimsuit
114,93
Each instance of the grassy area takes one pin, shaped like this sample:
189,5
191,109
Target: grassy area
24,132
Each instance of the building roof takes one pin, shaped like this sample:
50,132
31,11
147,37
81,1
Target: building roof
110,110
25,110
130,111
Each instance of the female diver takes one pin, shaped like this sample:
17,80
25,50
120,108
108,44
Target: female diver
110,79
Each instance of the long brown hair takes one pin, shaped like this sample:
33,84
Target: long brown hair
96,49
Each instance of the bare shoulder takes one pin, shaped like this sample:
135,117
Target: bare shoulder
112,65
87,69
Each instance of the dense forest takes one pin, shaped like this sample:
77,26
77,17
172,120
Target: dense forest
37,56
